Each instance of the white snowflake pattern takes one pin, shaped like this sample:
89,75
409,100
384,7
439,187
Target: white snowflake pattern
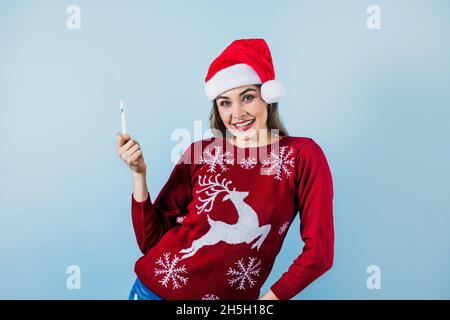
217,159
248,163
244,273
280,163
283,228
180,219
170,271
210,296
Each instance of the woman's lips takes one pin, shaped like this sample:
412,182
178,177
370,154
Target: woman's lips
244,127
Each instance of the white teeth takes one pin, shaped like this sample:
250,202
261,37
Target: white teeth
243,124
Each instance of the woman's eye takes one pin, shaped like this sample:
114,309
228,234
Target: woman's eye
224,103
248,97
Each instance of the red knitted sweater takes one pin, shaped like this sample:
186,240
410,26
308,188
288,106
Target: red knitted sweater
216,227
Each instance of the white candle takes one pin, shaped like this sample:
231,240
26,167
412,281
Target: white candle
122,117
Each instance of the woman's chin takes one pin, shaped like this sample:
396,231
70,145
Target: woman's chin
247,135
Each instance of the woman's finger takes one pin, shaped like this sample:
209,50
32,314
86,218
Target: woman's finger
128,153
121,139
135,156
127,146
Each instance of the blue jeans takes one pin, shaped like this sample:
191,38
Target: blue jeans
141,292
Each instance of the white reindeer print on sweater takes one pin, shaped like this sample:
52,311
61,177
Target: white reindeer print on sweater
246,229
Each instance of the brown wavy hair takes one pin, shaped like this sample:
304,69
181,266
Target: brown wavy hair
273,120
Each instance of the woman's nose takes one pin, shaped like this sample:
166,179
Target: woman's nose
238,111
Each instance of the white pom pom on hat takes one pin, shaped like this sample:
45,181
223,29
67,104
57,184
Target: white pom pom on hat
244,62
272,91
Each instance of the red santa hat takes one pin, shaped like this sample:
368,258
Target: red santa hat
244,62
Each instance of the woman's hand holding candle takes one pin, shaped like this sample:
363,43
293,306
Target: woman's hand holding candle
130,152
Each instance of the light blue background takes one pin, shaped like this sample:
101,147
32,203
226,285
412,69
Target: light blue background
376,101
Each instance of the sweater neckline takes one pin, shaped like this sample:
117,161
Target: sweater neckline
282,139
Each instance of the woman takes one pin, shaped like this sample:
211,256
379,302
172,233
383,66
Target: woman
217,225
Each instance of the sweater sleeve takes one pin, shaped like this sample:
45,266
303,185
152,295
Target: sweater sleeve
152,220
315,203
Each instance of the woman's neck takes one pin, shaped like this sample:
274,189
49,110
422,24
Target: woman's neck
256,141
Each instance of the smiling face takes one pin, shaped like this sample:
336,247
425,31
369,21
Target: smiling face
243,112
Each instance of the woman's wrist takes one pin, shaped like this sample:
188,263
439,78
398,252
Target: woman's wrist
140,186
139,175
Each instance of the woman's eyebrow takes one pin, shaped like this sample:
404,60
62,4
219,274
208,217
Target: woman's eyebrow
240,94
245,91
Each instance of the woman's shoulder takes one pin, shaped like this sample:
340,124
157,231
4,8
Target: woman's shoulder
305,145
196,148
201,144
298,142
